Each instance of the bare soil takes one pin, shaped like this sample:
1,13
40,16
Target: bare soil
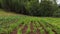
14,31
24,29
31,28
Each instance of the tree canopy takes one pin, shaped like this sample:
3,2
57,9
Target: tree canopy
30,7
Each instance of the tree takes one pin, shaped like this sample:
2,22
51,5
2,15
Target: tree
32,7
14,5
0,3
57,13
47,8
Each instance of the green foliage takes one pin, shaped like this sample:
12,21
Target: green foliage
47,8
30,7
27,20
56,13
50,30
7,24
0,3
13,5
19,31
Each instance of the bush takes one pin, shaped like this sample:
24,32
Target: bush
57,13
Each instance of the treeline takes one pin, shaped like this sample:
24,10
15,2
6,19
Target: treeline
31,7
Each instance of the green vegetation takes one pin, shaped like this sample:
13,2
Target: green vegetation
12,23
9,23
46,26
31,7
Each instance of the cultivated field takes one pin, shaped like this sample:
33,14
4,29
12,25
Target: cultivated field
11,23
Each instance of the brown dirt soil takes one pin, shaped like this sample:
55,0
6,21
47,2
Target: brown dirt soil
32,28
14,31
24,29
38,31
20,26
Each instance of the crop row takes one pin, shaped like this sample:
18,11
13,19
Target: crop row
7,24
38,27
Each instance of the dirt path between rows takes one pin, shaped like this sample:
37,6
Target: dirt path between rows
31,28
15,30
38,30
25,27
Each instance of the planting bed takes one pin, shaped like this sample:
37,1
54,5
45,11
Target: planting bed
24,25
36,27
